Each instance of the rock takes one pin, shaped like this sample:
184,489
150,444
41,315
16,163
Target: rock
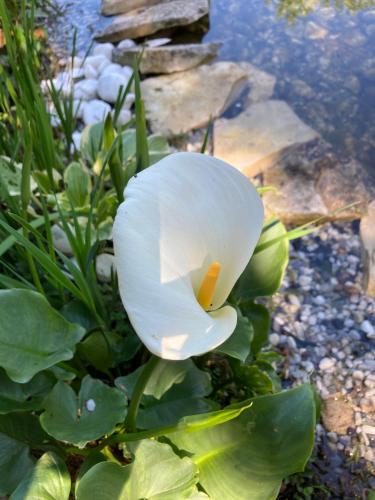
98,62
105,267
78,108
124,116
369,330
157,42
103,49
184,101
109,86
90,72
155,18
367,232
95,111
168,59
127,43
254,139
113,7
274,339
60,240
342,183
85,90
261,84
112,68
326,364
76,136
337,414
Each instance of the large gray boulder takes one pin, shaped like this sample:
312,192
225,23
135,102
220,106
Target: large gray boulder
255,138
158,17
168,58
178,103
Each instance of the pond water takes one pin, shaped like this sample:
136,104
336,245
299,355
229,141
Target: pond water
324,60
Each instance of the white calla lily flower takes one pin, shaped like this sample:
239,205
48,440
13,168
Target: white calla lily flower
182,237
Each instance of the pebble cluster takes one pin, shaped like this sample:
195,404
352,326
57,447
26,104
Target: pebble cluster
324,326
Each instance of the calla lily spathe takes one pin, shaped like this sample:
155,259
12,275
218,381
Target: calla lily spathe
187,220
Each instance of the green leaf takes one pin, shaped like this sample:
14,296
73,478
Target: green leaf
264,273
33,335
261,320
92,141
158,148
100,348
23,397
249,456
78,185
78,420
49,480
156,474
176,386
239,343
10,177
17,432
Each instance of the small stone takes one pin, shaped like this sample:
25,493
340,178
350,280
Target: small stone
274,339
109,86
157,42
337,414
358,375
90,72
112,68
60,240
319,300
86,90
76,136
327,364
369,330
105,267
368,429
124,117
104,49
90,405
126,44
95,111
98,62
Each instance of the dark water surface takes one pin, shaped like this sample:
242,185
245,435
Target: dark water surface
324,61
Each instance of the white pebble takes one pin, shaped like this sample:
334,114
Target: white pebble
369,330
95,111
90,405
104,49
126,44
274,339
327,364
109,86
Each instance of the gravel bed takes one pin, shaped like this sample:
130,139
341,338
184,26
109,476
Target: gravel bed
323,324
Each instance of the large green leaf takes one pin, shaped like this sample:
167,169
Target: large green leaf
261,320
95,412
265,271
248,457
17,433
49,480
239,343
156,473
23,397
33,335
92,141
176,388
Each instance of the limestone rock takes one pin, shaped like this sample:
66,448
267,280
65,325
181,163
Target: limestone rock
337,414
169,58
184,101
113,7
254,139
95,111
261,84
144,22
293,177
342,183
367,231
109,86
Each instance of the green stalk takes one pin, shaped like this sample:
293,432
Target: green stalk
130,422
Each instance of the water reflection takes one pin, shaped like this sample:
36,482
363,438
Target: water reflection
324,62
292,9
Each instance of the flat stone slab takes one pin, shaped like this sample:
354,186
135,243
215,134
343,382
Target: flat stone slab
168,58
252,140
114,7
261,84
367,231
178,103
144,22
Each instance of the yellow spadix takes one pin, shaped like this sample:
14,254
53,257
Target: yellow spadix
208,286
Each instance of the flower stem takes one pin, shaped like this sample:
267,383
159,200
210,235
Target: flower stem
130,422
